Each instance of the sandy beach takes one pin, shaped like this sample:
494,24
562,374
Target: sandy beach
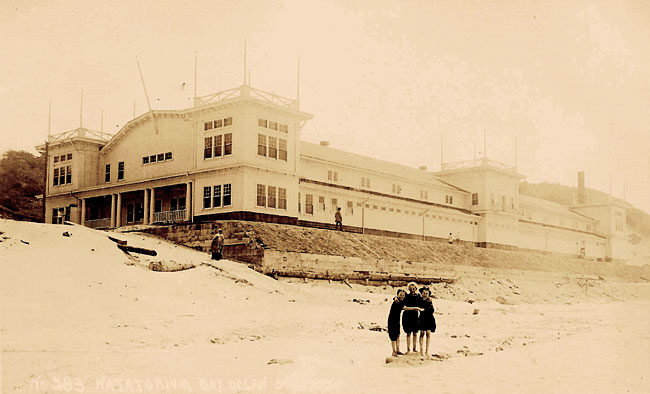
79,315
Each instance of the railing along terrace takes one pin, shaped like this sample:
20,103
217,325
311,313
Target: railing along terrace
98,223
79,132
482,162
169,216
246,91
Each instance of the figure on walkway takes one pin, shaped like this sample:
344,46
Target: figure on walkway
451,239
338,219
217,246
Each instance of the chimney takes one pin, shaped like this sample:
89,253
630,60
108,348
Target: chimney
581,187
423,168
325,143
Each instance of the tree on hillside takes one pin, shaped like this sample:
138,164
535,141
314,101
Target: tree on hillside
21,179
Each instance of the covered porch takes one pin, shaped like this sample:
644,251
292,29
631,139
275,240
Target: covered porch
160,205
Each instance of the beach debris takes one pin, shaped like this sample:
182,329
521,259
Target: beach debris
376,327
148,252
117,241
361,301
279,361
390,359
475,312
66,234
346,282
470,301
25,242
501,300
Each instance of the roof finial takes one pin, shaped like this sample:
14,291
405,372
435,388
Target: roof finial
81,110
298,85
244,61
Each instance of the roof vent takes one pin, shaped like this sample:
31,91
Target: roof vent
423,168
325,143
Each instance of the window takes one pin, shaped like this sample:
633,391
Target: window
227,121
309,204
207,150
120,171
261,122
283,149
207,126
217,145
173,204
227,144
424,194
161,157
216,196
55,178
227,199
349,209
321,203
273,147
335,205
449,199
206,197
272,201
365,182
62,158
69,156
474,198
68,175
282,198
261,145
56,159
397,189
332,176
62,176
261,195
299,203
145,160
168,156
284,128
152,159
273,125
181,203
107,176
218,123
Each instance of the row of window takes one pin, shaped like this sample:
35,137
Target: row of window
62,176
215,124
217,146
278,201
120,172
217,196
277,147
269,124
449,199
63,158
160,157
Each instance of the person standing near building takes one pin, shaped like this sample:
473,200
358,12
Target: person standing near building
338,219
451,239
217,246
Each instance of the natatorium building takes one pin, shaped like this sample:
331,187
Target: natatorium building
237,154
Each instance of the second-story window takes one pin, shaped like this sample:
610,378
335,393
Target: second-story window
207,150
474,198
273,147
120,171
107,176
283,149
261,145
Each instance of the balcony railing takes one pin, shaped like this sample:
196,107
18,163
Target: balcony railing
169,216
98,223
246,91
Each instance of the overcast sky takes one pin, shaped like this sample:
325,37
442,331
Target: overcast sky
569,79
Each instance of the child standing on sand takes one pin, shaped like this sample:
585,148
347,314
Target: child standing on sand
393,320
410,316
427,323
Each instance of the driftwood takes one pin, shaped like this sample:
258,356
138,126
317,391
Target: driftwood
126,248
368,278
117,241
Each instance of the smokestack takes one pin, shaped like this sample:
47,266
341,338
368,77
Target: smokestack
581,187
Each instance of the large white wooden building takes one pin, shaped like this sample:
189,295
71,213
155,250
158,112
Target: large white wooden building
237,154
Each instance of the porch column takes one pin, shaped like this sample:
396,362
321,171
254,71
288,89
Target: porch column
152,204
145,216
188,201
118,208
112,210
82,219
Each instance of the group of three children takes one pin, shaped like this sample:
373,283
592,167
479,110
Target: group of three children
417,316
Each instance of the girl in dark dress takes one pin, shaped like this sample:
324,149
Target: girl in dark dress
393,320
427,323
410,317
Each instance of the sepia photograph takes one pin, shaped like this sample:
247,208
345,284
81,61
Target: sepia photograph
325,196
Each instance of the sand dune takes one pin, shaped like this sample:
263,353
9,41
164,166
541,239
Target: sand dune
79,315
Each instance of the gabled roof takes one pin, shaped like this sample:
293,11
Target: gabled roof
310,150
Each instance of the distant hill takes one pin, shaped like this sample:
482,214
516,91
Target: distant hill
638,221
